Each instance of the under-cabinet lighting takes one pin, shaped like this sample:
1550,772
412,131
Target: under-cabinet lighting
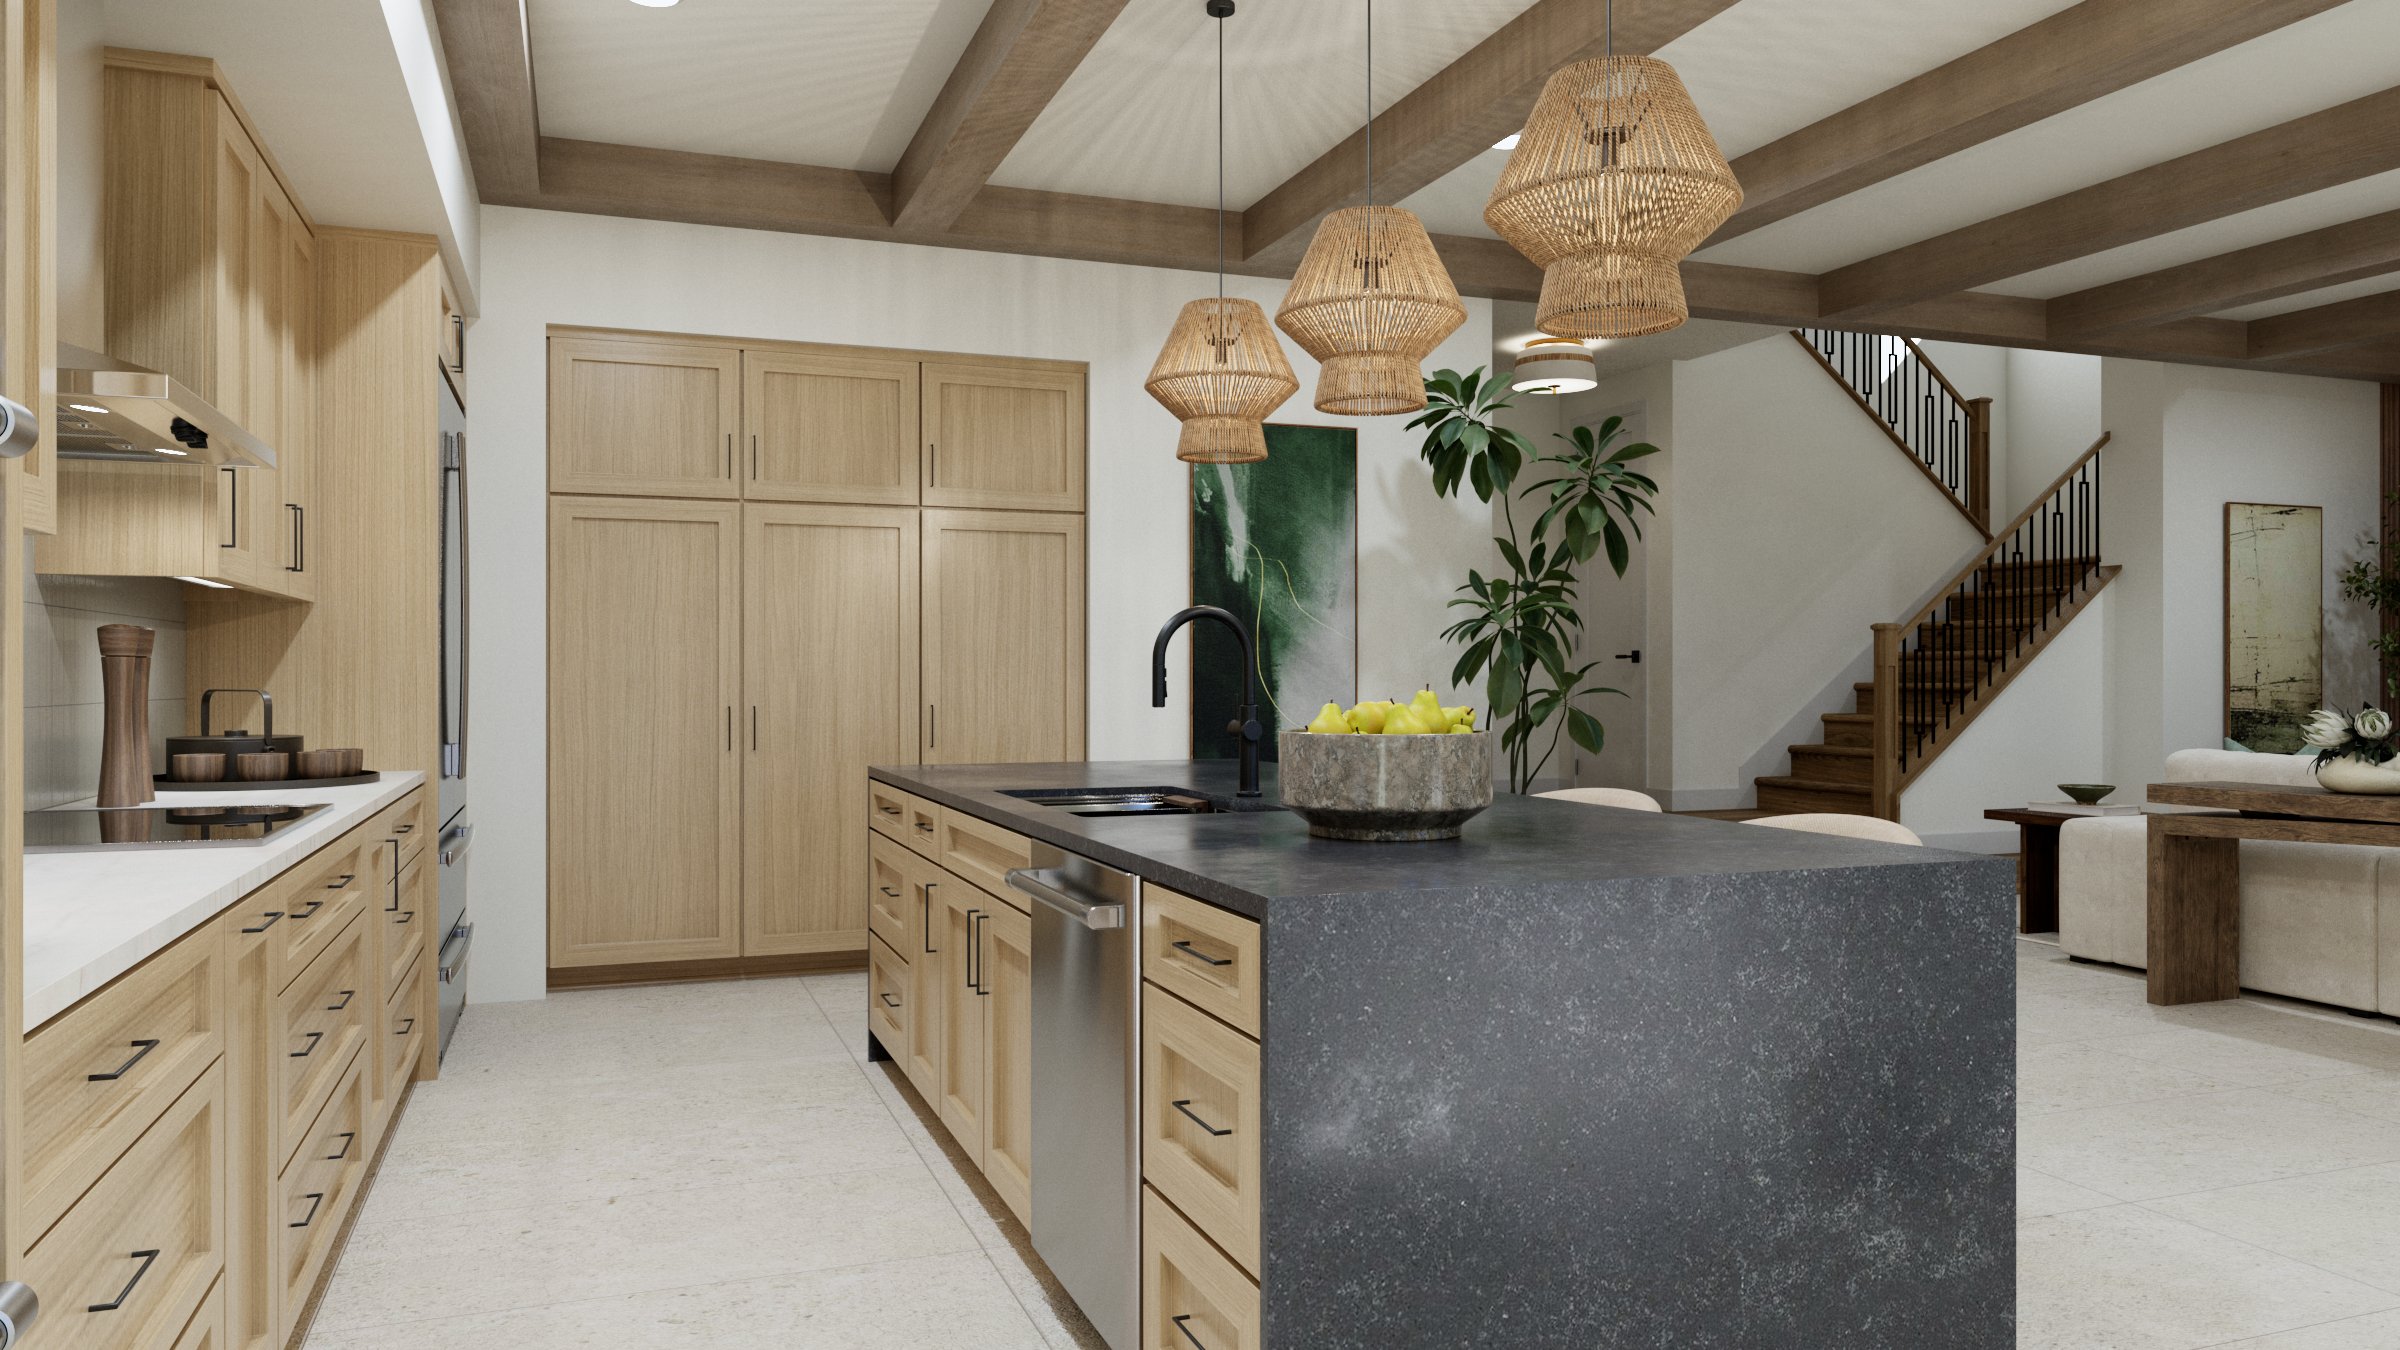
177,453
88,408
204,581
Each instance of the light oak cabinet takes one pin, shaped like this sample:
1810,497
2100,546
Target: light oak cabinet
1006,967
645,777
959,913
655,419
830,426
1003,435
1003,619
452,350
1191,1295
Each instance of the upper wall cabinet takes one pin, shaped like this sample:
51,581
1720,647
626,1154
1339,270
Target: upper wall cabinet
829,426
1006,436
644,419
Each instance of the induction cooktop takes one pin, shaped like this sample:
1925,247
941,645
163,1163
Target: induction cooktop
85,828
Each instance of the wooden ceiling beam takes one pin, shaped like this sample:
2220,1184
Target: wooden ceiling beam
2307,154
2064,61
491,73
1459,113
1020,56
2351,251
2345,323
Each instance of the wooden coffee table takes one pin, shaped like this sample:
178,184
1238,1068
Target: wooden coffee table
2195,871
2037,867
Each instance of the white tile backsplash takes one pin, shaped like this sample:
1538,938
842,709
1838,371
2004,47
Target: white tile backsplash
63,705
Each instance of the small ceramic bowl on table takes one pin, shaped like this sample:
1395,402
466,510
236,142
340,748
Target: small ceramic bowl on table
2087,794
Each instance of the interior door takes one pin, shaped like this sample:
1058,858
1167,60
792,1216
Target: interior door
1004,434
644,418
829,654
645,783
1615,627
830,427
1003,637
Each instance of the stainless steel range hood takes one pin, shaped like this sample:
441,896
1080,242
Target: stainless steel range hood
115,410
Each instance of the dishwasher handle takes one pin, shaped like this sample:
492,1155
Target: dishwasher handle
1043,887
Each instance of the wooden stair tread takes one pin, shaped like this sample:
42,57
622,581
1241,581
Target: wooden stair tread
1813,785
1845,751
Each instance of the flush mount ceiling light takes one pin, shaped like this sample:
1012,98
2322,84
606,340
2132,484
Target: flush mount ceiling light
1371,299
1222,370
1615,181
1554,365
656,4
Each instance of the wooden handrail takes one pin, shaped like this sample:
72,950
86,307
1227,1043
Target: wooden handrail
1982,527
1937,370
1980,560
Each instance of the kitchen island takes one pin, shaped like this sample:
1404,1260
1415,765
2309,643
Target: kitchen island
1583,1077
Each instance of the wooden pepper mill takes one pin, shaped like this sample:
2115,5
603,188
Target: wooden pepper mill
125,731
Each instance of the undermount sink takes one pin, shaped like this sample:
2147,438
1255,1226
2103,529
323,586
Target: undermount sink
1160,801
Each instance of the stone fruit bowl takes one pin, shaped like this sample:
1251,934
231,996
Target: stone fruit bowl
1385,789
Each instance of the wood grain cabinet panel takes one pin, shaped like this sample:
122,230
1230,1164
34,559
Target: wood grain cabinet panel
1003,637
976,850
829,426
321,1021
137,1254
319,1185
830,673
406,914
1191,1295
959,913
887,810
887,995
1005,972
1210,957
645,779
312,904
645,418
889,909
928,984
1006,435
252,1071
401,1035
1199,1121
208,1329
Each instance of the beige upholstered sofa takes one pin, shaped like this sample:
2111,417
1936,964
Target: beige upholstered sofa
2319,921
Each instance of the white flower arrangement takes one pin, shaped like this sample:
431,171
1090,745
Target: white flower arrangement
2335,735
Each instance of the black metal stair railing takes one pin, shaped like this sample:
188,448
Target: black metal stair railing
1897,384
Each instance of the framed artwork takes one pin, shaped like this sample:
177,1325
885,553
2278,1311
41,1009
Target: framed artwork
1277,543
2274,623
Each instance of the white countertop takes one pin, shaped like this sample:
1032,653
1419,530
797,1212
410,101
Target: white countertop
91,916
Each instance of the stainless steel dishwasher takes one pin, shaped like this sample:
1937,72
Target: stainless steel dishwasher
1086,1079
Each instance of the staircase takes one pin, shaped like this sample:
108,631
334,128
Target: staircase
1938,669
1947,435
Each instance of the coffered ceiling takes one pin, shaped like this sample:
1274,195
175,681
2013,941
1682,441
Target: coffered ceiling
2197,180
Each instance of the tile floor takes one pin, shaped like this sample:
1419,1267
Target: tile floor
717,1166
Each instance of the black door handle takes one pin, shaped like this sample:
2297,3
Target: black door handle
929,947
347,995
148,1259
1196,954
313,1038
140,1048
308,913
889,1001
405,916
271,916
1179,1321
407,1025
888,891
348,1137
971,944
1185,1106
315,1199
1635,656
983,972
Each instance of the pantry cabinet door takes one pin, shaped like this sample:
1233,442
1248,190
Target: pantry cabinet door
829,427
644,418
645,782
830,677
1003,637
1004,434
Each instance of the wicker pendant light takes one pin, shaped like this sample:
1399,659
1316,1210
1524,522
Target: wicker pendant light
1614,181
1222,370
1371,299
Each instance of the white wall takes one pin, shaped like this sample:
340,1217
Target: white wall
2053,417
542,268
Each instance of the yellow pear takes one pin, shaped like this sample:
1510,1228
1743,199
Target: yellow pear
1331,722
1428,710
1462,729
1403,721
1459,716
1368,717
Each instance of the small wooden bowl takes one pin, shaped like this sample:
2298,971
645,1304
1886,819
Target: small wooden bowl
318,764
196,768
353,762
263,767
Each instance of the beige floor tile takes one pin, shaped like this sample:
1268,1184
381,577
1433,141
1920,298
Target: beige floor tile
2040,1194
620,1042
2074,1075
954,1300
2123,1278
2146,1150
2375,1331
457,1110
2347,1222
2374,1094
2256,1046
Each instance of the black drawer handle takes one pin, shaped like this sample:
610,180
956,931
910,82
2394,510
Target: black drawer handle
346,879
348,1137
405,916
972,981
347,995
402,829
889,810
1187,1331
407,1025
140,1048
270,916
148,1259
1198,955
308,913
889,1000
313,1038
1185,1106
315,1199
923,828
889,891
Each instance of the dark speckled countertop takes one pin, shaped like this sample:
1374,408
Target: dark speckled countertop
1256,861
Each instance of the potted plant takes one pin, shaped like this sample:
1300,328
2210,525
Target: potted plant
2354,754
1521,626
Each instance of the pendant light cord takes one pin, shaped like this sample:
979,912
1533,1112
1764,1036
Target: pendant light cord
1371,101
1221,164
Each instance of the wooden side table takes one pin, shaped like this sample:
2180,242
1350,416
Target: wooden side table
2037,865
2196,878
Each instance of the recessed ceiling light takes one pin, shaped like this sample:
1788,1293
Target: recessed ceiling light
1508,142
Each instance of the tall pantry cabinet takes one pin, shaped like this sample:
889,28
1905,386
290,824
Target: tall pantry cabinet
771,565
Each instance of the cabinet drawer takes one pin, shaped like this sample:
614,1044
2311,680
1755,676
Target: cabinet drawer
1191,1295
405,825
400,1034
1204,954
889,909
305,908
206,1330
132,1260
318,1187
100,1073
1200,1120
889,809
320,1021
403,920
981,852
887,996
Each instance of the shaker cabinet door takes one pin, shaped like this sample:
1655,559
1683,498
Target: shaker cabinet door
644,418
826,427
1007,435
1003,633
1006,965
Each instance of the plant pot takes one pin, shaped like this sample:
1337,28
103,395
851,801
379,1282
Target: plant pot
2352,774
1385,789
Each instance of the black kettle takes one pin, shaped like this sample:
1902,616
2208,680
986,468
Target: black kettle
235,742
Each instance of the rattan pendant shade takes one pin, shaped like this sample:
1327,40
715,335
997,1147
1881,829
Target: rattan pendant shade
1614,181
1221,373
1371,301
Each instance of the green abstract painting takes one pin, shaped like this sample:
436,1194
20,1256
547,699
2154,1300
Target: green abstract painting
1277,543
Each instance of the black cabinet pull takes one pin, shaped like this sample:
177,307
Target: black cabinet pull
407,1025
402,829
292,513
1187,1331
889,810
313,1038
405,916
1198,955
140,1048
314,1199
233,497
270,916
347,995
348,1137
971,946
983,961
887,890
924,828
889,1001
929,947
1185,1106
148,1259
458,325
308,913
343,883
